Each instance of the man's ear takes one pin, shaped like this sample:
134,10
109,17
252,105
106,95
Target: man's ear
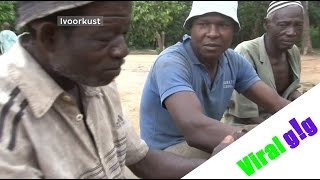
46,34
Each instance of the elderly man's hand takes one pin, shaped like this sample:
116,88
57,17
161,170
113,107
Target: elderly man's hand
294,95
227,141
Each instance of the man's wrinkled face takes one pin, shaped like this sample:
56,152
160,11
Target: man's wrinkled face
93,55
211,35
285,26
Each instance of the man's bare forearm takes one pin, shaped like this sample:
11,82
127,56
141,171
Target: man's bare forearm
161,164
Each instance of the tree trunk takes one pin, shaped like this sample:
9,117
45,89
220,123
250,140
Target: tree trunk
159,42
306,40
163,37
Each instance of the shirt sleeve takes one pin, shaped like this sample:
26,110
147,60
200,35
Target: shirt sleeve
137,149
172,74
15,166
246,76
18,161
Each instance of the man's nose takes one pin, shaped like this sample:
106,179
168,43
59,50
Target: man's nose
120,49
213,30
291,31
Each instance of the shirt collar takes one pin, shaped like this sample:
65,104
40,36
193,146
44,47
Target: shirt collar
91,91
35,84
262,50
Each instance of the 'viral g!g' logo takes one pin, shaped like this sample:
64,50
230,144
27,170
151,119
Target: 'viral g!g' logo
276,148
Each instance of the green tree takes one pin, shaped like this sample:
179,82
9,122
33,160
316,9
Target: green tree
152,17
314,17
251,16
179,12
7,11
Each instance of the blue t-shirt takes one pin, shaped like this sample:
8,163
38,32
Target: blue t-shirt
178,69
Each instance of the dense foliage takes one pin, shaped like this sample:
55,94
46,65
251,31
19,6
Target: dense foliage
152,17
7,11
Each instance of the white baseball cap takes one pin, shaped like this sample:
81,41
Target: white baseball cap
227,8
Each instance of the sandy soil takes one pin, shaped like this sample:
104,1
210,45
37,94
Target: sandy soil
135,70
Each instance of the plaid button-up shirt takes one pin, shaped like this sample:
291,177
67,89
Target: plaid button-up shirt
44,135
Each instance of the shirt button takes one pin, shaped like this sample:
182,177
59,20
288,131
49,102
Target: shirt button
79,117
100,94
67,98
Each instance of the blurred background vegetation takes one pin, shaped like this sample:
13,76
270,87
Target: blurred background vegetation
158,24
7,11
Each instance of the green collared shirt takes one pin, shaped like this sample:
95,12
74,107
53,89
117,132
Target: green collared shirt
255,52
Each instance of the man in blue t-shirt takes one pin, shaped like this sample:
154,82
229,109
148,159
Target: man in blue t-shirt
190,85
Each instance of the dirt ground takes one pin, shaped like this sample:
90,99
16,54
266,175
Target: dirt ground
135,70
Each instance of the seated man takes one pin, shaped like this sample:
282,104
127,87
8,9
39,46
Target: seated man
276,60
190,84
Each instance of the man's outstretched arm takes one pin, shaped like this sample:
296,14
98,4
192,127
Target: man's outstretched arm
162,164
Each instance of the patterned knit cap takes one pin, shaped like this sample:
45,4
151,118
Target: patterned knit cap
275,5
